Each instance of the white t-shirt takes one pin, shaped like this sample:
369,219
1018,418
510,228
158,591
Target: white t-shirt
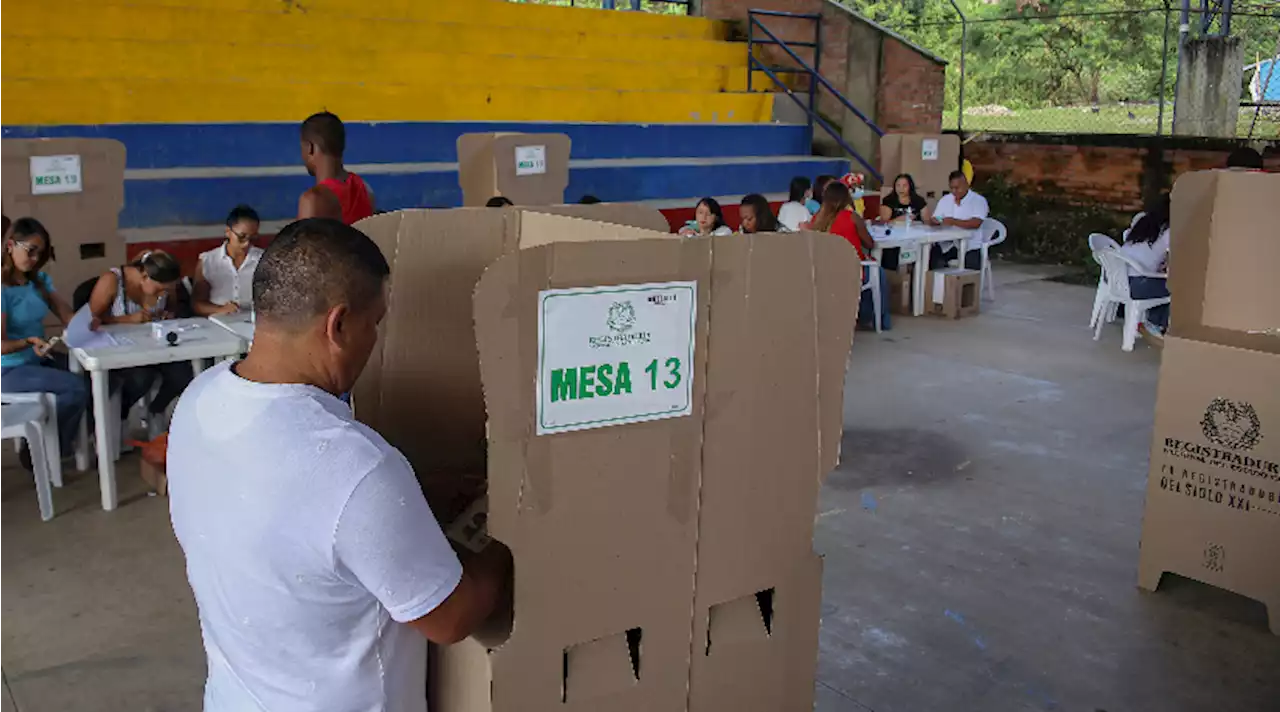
1149,256
226,283
791,214
970,206
307,538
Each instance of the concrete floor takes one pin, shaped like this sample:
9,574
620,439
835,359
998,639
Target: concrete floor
981,543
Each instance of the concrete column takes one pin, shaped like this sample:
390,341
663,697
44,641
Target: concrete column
1209,86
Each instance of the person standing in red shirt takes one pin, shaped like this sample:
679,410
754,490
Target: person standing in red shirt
337,194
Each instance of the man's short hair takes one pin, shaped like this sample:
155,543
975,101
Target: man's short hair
326,131
954,175
314,265
1245,157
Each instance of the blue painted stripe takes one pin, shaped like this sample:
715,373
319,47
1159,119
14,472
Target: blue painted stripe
150,203
276,144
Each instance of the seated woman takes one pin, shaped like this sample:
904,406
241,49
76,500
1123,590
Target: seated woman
793,212
137,293
837,217
814,203
1146,244
27,364
224,275
708,219
755,215
901,204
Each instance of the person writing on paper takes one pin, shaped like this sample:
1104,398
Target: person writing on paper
318,568
137,293
224,275
961,208
755,215
27,364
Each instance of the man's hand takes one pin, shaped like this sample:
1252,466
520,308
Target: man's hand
485,579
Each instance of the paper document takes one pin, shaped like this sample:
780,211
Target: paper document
79,336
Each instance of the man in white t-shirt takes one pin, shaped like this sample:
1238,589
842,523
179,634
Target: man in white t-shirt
961,208
319,570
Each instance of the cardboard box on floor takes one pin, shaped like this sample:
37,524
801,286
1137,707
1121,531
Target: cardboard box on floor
953,292
928,158
1213,492
664,564
75,188
529,169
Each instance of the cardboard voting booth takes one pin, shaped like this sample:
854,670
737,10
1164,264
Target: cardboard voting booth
529,169
75,188
1213,492
928,158
652,419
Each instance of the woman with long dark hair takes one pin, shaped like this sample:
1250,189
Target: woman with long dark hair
838,217
755,215
793,212
141,291
708,219
1146,244
28,365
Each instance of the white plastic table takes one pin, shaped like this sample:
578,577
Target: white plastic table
918,237
199,339
240,324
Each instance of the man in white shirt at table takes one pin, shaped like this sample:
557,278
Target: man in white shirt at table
318,568
961,208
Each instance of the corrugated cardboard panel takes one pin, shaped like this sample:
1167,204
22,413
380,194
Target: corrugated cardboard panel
601,523
766,660
762,460
1213,492
1221,259
633,214
903,153
487,167
83,226
421,389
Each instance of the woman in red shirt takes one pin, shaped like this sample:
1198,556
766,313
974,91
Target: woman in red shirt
836,216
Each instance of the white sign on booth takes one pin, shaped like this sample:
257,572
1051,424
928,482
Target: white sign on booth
615,355
55,174
929,149
531,160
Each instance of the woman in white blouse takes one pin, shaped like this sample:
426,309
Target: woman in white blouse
1146,244
224,275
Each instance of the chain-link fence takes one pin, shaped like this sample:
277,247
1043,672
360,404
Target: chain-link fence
1083,66
657,7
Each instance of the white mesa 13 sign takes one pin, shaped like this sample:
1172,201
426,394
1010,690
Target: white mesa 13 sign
615,355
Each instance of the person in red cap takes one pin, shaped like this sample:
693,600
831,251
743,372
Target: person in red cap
338,193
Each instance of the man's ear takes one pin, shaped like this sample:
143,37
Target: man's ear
336,323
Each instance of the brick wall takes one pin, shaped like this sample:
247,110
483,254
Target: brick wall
908,85
909,98
1115,172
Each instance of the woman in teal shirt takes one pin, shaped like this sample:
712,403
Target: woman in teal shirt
27,364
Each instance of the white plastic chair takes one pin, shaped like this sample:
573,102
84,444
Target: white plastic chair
1117,268
1101,243
872,284
31,417
993,232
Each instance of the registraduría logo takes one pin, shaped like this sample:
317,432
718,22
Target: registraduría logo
1231,424
622,316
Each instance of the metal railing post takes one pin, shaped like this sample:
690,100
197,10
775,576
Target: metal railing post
751,52
813,76
964,49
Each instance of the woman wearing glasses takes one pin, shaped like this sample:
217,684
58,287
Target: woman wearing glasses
224,275
28,365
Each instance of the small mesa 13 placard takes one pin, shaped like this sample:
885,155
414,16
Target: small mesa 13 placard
615,355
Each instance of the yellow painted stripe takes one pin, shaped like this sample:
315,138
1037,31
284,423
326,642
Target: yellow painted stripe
95,101
120,59
489,13
254,30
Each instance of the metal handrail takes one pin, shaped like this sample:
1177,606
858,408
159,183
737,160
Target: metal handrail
815,78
